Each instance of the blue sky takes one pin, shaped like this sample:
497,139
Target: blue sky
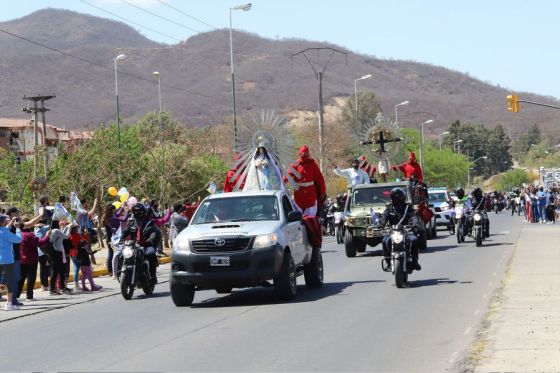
511,43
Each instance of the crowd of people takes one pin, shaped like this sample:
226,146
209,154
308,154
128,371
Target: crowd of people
47,244
539,205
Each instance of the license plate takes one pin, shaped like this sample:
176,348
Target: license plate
219,261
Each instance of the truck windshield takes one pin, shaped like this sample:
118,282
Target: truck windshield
250,208
371,196
438,197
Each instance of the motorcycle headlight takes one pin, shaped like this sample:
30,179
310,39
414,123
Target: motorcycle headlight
397,237
127,252
265,240
182,244
477,217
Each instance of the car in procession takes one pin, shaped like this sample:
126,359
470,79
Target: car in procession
244,239
364,205
440,199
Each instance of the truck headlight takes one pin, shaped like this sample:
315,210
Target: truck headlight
127,252
265,240
477,217
182,244
397,237
444,207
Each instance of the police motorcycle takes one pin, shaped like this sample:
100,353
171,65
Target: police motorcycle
400,263
135,269
460,221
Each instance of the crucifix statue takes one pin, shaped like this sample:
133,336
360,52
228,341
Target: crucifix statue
381,132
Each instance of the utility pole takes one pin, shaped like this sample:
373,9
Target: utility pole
35,110
319,71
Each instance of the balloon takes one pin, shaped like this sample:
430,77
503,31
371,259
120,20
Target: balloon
117,205
112,191
122,191
123,197
132,201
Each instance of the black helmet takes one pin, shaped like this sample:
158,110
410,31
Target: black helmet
460,193
398,196
477,193
139,211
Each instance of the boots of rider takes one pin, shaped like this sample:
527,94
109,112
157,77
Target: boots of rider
386,252
415,255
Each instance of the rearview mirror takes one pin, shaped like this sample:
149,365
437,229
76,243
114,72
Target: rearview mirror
294,216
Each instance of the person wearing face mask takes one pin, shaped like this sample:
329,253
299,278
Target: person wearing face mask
355,175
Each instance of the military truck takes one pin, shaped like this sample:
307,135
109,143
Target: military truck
365,199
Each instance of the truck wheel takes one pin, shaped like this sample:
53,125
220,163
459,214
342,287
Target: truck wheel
285,284
422,241
182,295
349,246
434,231
313,271
224,289
360,245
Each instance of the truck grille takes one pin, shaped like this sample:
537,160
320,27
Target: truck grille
214,245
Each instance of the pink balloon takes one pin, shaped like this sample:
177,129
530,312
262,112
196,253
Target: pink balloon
131,202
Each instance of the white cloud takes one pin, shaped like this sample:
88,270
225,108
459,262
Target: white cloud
142,3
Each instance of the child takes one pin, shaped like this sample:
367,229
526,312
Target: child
84,252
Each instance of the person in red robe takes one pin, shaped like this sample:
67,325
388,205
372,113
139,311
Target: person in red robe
367,167
412,167
311,189
228,185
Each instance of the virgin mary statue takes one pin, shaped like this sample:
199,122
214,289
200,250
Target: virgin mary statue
263,173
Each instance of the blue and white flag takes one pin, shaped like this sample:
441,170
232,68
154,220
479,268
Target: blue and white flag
75,203
212,188
116,238
60,213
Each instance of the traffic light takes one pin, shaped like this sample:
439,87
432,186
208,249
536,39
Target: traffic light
512,103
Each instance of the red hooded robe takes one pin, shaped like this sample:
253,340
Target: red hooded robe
230,186
367,167
412,167
311,186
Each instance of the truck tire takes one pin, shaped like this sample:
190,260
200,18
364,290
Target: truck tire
349,245
182,295
313,271
285,284
224,289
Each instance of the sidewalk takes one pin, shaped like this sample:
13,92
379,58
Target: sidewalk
45,302
523,334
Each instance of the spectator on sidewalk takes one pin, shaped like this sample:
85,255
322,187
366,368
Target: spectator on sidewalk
29,259
106,221
550,206
76,237
84,256
178,221
84,219
541,196
57,255
534,206
7,241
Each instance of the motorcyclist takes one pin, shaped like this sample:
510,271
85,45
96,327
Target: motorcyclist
399,212
461,199
479,202
142,229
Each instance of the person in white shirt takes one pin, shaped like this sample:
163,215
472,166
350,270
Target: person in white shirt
355,175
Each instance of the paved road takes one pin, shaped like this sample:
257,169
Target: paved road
359,321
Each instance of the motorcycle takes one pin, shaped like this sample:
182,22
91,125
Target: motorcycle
460,222
478,229
330,224
339,227
135,270
401,255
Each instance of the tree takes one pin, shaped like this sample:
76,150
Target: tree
368,108
498,152
514,179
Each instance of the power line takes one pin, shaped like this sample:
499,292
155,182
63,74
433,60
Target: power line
161,17
186,14
81,59
129,21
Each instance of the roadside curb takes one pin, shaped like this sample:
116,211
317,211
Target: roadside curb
103,272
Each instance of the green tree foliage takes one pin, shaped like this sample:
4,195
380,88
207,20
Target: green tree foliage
513,179
15,179
368,107
479,141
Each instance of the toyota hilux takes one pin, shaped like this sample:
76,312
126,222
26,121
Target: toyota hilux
244,239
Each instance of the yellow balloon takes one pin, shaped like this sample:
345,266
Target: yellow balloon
124,197
112,191
117,205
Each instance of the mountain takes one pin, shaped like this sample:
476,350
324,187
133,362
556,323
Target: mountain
196,84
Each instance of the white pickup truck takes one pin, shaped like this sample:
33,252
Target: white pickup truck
244,239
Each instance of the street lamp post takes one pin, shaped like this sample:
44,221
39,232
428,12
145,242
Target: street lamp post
422,141
456,145
397,112
469,171
356,102
118,58
158,76
245,8
440,157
